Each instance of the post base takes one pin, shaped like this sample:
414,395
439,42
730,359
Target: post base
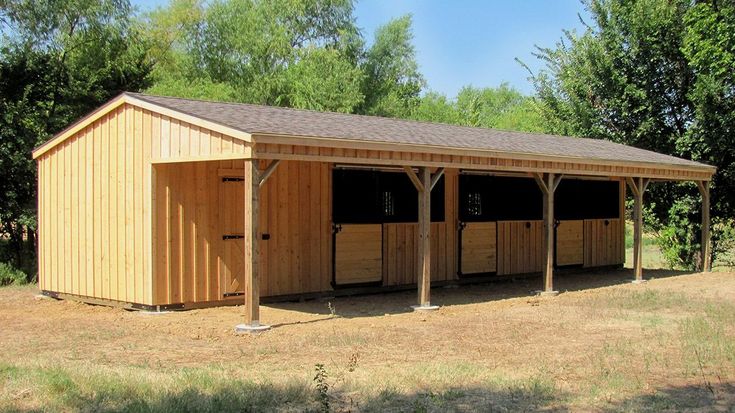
44,297
251,328
427,307
548,293
639,281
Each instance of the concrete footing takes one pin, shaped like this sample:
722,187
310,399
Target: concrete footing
44,297
548,293
251,328
639,281
425,307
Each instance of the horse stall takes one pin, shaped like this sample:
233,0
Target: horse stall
163,203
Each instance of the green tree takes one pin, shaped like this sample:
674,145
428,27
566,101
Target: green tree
435,107
298,53
59,60
393,82
647,73
502,107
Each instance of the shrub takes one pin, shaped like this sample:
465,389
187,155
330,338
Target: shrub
11,275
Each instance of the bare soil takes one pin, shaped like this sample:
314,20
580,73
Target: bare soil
602,344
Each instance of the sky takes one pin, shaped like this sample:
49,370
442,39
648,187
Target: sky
463,42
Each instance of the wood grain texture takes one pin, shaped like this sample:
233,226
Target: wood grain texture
479,248
570,242
520,247
604,242
358,254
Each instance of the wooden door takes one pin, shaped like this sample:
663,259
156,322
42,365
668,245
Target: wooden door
358,254
570,243
478,249
232,222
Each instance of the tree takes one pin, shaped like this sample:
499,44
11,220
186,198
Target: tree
502,107
651,73
393,82
435,107
60,60
298,53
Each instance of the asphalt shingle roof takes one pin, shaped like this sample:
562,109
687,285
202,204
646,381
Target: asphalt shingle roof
255,119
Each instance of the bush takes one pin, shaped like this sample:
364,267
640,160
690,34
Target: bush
11,275
680,237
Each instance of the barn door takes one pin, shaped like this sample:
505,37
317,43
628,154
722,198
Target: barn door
478,248
358,254
232,222
570,243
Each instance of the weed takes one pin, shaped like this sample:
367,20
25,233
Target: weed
352,363
322,387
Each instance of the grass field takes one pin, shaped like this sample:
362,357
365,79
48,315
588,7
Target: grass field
602,345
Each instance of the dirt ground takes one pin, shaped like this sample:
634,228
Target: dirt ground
602,344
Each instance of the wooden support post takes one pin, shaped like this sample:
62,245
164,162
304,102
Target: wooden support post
548,184
706,241
423,183
252,250
424,255
638,187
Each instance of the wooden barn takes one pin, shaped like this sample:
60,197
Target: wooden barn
162,203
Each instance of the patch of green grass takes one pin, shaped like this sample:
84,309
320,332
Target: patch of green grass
709,349
644,299
132,390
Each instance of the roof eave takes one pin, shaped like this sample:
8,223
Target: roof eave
264,137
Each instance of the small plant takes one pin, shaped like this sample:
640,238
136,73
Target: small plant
11,275
322,387
352,364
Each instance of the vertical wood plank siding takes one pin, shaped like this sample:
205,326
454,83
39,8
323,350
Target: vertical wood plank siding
93,214
97,235
197,207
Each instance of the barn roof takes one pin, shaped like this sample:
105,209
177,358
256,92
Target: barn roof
261,120
271,120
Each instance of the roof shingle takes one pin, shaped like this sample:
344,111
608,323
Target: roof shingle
255,119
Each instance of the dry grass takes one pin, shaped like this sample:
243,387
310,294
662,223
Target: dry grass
602,345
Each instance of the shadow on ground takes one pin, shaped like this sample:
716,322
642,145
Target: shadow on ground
202,394
397,302
693,398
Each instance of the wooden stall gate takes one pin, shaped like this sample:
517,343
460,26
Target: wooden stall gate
478,249
570,243
358,254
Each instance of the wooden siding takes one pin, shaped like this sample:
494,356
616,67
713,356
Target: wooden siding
479,248
359,254
520,248
400,243
94,221
400,249
604,242
179,141
96,196
196,208
570,242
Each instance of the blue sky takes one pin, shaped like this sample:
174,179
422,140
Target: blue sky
474,42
